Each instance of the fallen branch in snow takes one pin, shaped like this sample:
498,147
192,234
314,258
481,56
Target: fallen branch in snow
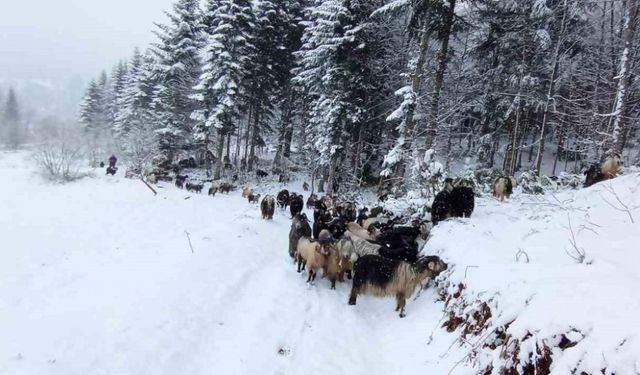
522,252
149,186
189,239
579,254
624,207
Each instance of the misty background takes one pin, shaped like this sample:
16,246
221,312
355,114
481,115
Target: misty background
49,50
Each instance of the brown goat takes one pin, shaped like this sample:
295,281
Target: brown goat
312,255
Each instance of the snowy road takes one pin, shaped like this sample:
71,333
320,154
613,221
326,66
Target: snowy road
96,277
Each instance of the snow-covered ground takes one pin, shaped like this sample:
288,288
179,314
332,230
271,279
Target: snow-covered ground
97,277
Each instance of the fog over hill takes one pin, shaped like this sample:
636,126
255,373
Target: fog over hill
51,49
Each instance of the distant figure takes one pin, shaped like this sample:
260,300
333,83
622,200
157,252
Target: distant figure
111,169
101,164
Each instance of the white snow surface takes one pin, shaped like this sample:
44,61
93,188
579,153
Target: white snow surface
97,277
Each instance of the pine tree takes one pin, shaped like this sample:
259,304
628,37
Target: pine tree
11,121
178,72
222,86
134,102
332,70
92,110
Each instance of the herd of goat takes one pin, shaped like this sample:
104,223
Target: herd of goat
378,251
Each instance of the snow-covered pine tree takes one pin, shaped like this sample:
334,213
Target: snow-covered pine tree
92,110
222,86
115,90
332,70
12,128
178,72
134,104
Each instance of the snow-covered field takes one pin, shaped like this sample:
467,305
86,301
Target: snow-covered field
97,277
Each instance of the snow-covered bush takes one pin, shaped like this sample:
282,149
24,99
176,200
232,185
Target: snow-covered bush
60,160
530,183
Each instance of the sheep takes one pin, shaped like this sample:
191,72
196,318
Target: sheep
607,170
296,204
299,228
359,231
311,255
253,198
246,192
283,198
502,187
267,207
379,276
212,191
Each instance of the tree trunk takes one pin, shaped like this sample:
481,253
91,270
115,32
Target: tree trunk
550,91
252,139
439,77
220,151
624,77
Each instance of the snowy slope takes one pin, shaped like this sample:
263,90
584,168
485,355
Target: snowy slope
97,277
543,293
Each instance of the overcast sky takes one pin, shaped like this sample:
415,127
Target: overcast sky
62,39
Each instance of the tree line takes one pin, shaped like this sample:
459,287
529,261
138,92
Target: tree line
381,92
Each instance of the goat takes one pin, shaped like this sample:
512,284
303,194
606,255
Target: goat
359,231
246,192
311,255
212,191
253,198
299,228
607,170
502,188
311,201
462,201
180,179
379,276
267,207
296,204
225,187
283,198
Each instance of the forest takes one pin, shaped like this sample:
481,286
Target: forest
378,93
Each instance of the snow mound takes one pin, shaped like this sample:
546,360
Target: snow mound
558,271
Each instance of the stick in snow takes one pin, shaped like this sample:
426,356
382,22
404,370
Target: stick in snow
189,239
149,186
